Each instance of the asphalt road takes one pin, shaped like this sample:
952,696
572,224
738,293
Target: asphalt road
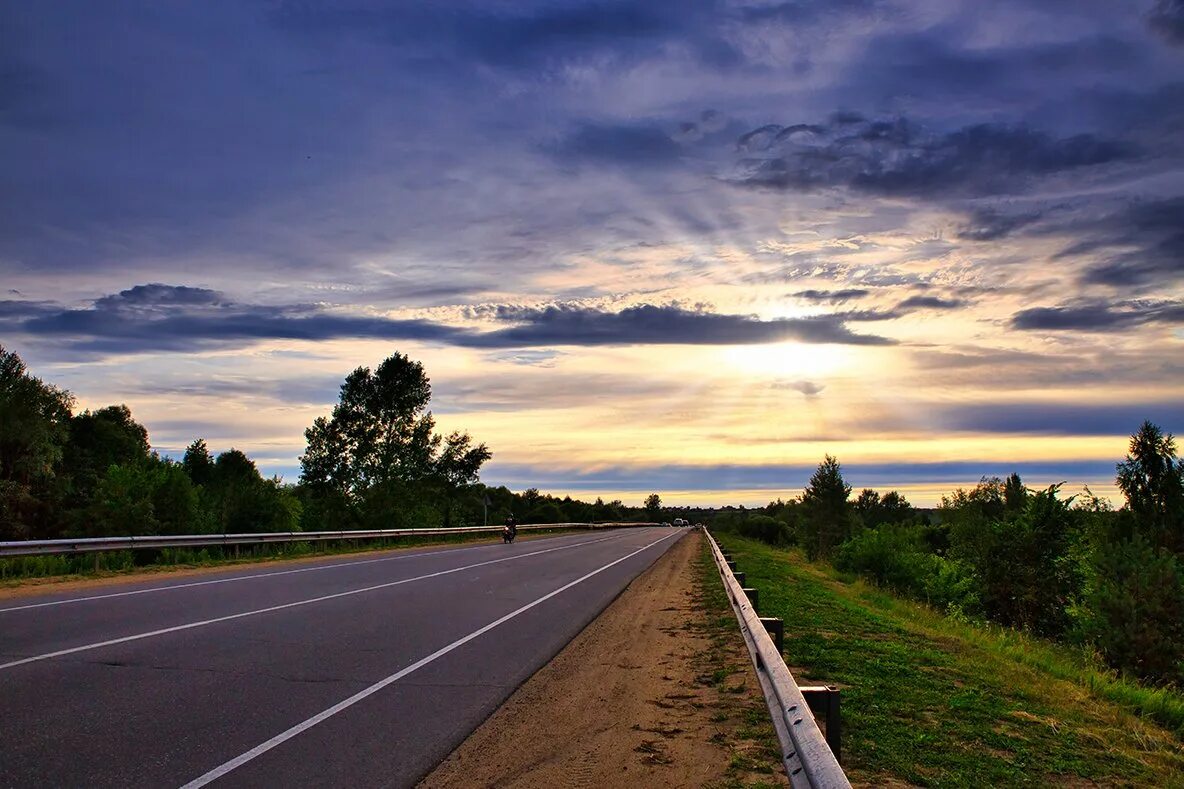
355,672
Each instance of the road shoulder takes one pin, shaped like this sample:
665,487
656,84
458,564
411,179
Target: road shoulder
658,690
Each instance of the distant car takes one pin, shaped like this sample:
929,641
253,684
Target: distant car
680,522
666,524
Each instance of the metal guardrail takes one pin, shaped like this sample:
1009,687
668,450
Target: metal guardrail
95,544
808,760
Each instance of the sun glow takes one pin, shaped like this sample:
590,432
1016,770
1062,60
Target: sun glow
790,360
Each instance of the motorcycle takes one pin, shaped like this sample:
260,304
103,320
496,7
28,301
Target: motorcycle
508,534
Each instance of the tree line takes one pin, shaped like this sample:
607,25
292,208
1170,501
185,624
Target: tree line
376,461
1069,568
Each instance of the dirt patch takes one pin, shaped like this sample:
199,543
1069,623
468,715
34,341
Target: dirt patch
657,691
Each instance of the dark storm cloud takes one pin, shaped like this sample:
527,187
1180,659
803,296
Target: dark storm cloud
900,158
1154,227
1096,316
1064,419
661,325
839,296
1167,19
988,224
930,303
159,317
175,318
782,477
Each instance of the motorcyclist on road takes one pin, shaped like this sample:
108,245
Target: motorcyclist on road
511,528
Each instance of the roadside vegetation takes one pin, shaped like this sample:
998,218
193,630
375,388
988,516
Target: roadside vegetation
1009,636
1068,569
376,461
934,700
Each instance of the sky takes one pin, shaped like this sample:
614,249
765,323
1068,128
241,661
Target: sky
668,246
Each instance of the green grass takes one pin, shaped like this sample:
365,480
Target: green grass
932,701
20,570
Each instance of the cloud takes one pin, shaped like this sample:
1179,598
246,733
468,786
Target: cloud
808,388
1154,227
839,296
1167,19
649,324
669,477
987,224
1098,316
159,317
900,158
1067,419
930,303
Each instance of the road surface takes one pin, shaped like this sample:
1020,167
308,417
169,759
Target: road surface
355,672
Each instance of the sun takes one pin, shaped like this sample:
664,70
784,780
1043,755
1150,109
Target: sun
789,360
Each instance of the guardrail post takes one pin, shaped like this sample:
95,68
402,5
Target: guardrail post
824,703
775,628
740,578
731,565
753,597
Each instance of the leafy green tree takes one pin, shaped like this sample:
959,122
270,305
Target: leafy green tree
1015,495
1133,608
34,429
653,507
1022,562
828,513
874,509
377,456
101,439
198,463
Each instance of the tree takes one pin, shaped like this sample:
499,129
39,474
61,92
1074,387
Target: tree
34,429
1015,495
198,463
653,507
1152,480
828,513
101,439
378,455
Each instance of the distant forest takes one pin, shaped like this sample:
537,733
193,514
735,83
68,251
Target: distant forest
375,462
1069,568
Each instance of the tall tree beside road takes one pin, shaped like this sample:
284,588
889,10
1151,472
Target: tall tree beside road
377,457
34,429
653,506
828,512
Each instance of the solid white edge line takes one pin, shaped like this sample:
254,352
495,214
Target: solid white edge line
211,582
282,737
269,609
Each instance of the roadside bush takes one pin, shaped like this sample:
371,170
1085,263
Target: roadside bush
897,556
766,529
891,555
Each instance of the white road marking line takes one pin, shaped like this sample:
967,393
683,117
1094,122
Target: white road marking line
282,737
269,609
235,578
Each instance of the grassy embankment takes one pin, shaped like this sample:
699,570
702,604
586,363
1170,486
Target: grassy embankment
932,701
22,570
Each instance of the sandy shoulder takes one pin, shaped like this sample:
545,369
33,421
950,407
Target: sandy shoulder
626,703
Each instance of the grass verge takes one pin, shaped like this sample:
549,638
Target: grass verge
931,701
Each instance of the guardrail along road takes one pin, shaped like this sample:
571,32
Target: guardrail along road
356,672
